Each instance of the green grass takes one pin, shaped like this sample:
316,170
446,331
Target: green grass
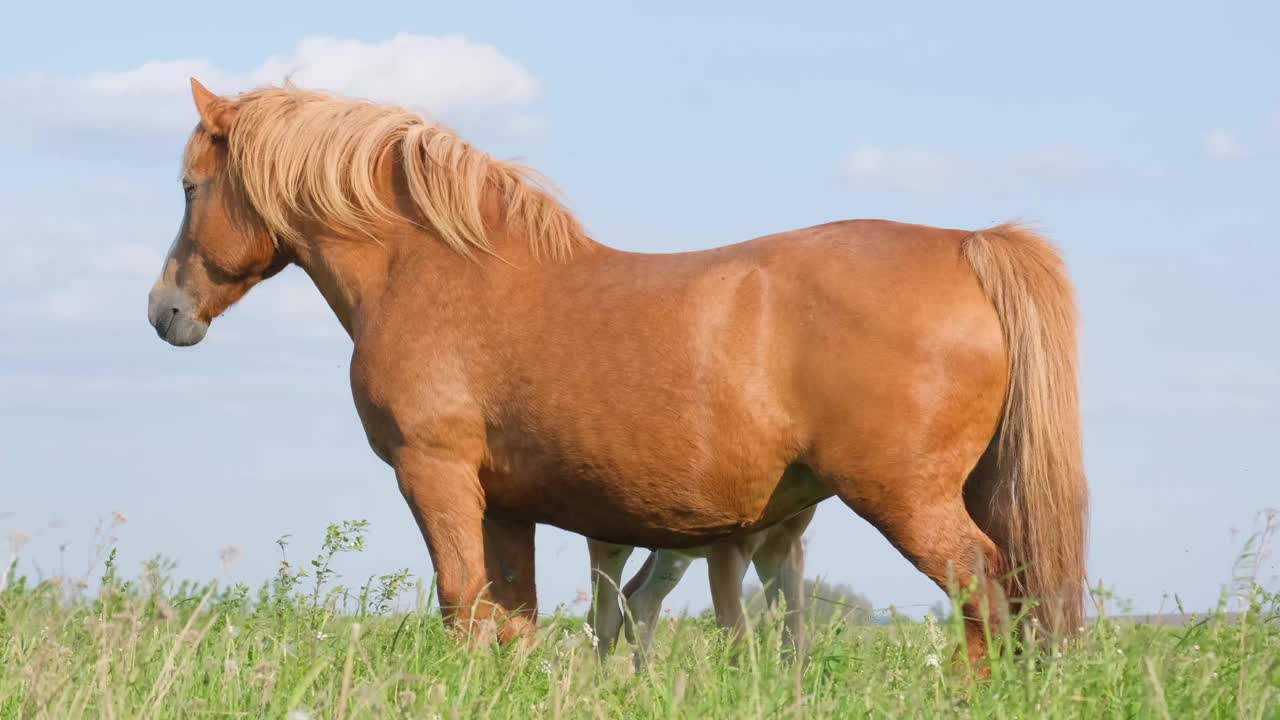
151,647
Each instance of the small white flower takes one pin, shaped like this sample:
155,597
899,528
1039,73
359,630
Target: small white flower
322,636
932,661
545,667
591,635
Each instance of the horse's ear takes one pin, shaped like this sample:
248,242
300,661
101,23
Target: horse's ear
216,113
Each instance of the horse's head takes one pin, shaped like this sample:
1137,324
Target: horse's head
223,248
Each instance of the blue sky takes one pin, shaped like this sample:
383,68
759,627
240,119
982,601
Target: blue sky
1143,138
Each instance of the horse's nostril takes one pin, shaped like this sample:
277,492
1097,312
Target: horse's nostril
173,311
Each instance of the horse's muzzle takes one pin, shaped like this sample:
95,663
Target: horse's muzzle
172,314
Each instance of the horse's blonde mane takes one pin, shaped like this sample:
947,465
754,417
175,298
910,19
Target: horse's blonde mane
305,156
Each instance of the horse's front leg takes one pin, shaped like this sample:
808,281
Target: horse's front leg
447,500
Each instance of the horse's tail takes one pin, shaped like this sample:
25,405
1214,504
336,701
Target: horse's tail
1031,486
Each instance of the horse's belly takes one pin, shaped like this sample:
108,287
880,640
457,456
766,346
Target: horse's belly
648,510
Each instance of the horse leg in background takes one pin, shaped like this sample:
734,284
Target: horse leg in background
779,562
509,564
644,594
605,615
726,566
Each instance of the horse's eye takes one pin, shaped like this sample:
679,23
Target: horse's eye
188,189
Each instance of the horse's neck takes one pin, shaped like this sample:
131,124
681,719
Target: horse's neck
351,274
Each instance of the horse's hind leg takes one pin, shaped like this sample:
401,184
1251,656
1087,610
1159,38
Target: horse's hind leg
604,616
944,543
926,520
659,576
779,562
726,566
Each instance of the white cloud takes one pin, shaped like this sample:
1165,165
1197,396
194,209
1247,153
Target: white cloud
913,170
1222,144
440,75
448,77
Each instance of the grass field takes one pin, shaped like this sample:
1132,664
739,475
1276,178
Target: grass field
299,648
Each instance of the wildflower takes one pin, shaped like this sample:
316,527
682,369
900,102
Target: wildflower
932,661
591,635
119,518
229,555
263,674
545,667
163,611
936,638
321,635
17,539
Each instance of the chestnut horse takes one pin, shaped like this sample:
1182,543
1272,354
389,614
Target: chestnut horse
776,552
513,371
